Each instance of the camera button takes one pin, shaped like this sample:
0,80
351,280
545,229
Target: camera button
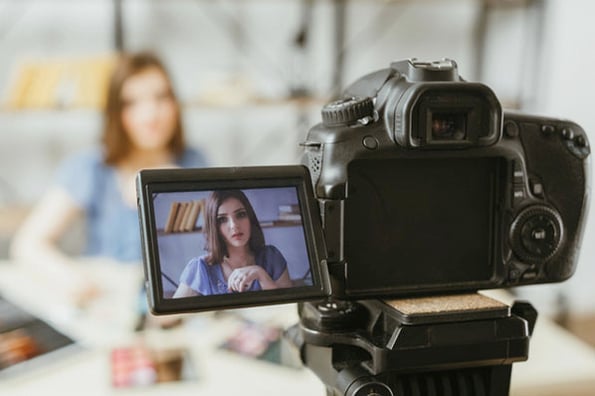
567,134
536,188
514,274
511,129
580,141
536,233
529,275
370,142
518,173
518,195
548,129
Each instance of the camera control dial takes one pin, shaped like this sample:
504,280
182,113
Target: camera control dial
536,233
372,388
347,111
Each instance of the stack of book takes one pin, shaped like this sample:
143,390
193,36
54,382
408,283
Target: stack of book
60,83
183,216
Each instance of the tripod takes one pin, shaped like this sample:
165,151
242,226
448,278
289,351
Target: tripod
453,345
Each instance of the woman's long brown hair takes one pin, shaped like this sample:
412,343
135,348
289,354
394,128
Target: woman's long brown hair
115,140
216,247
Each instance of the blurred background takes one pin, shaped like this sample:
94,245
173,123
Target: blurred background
253,74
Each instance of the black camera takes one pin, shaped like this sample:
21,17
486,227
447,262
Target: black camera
415,187
417,184
426,186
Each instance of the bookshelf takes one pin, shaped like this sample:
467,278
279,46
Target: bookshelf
263,224
183,217
60,82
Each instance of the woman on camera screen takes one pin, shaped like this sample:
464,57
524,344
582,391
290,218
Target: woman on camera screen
238,259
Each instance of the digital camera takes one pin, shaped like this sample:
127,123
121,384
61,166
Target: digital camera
416,182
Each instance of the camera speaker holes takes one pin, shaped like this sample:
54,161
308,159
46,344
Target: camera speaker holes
314,163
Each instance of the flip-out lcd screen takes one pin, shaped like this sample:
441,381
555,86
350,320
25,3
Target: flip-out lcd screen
229,237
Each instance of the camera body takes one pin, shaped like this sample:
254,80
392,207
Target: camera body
415,183
426,186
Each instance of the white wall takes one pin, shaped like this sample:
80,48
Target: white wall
223,52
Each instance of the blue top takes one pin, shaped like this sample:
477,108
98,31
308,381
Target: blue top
112,225
208,279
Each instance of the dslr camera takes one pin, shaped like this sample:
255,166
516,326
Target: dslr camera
416,185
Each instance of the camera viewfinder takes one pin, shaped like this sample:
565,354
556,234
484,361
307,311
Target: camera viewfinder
448,126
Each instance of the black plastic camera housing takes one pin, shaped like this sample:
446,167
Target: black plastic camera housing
426,186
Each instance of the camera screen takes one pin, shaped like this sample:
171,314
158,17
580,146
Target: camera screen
414,225
231,242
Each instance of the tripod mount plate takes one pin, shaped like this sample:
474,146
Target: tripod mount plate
447,308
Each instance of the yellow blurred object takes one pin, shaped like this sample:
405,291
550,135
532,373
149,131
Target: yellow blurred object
11,218
17,95
93,77
60,83
42,88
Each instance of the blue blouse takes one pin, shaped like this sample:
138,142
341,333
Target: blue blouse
209,279
112,227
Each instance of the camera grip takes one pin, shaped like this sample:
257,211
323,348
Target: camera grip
558,175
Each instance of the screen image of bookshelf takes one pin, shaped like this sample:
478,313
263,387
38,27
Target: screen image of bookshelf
290,213
183,216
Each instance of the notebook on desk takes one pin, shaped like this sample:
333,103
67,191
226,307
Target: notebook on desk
27,341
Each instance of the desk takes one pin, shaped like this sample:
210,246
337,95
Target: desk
559,364
109,322
558,361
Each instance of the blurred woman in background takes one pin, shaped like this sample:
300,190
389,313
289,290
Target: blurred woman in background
142,129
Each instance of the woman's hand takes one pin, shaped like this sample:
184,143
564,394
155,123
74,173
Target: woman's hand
241,279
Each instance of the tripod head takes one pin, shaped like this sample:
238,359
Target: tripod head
446,345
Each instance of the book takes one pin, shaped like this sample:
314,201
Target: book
193,213
46,83
140,365
171,217
180,216
21,85
27,341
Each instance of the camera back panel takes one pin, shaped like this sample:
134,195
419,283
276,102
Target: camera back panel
430,223
415,183
427,204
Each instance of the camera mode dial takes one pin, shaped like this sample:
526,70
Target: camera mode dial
347,111
536,233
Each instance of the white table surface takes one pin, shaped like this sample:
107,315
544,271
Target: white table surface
558,361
